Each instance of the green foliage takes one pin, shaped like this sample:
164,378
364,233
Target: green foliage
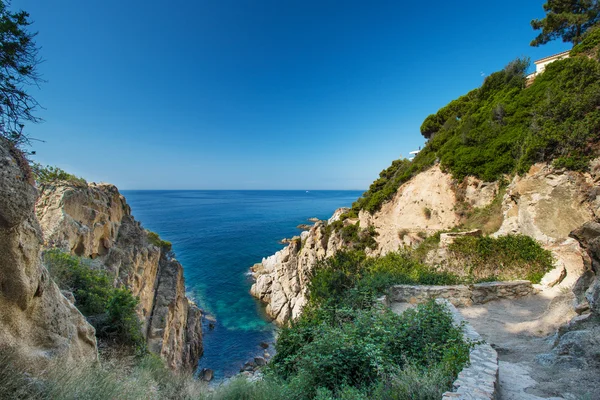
589,42
360,352
505,258
566,19
50,174
504,128
111,310
344,346
427,212
154,239
19,60
358,239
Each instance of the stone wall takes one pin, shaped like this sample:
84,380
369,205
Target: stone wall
461,295
479,380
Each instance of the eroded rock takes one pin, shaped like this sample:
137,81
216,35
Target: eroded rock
95,221
37,322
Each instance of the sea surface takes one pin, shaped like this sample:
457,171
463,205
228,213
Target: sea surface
217,236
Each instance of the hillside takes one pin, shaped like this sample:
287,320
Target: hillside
506,181
503,127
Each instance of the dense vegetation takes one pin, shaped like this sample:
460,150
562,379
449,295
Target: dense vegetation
49,174
112,311
504,127
344,344
155,240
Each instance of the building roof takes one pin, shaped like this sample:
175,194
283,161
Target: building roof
541,60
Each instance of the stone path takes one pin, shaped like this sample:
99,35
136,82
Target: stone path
520,330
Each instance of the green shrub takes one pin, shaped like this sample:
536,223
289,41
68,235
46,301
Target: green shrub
49,174
343,345
505,258
367,347
112,311
155,240
590,42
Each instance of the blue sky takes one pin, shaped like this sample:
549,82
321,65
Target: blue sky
257,94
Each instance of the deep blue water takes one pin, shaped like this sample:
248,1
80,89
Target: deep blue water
218,236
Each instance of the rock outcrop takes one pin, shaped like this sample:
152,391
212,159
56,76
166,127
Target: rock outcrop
577,344
547,204
282,278
94,221
426,203
37,323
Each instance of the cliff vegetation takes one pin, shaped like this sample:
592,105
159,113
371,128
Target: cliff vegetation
504,127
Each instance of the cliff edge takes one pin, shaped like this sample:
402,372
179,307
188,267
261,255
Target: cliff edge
94,221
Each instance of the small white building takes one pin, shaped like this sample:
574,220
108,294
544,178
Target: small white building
413,154
540,65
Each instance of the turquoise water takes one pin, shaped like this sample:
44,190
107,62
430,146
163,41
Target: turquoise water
218,236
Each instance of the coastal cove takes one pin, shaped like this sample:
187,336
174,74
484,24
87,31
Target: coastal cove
218,236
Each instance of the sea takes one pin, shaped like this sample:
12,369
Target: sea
217,236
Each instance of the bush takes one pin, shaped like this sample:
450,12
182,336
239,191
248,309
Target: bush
155,240
504,258
112,311
345,346
366,348
49,174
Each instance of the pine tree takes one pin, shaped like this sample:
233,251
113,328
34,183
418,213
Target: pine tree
18,69
566,19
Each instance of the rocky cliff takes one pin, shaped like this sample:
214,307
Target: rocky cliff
37,322
546,203
95,221
577,344
281,279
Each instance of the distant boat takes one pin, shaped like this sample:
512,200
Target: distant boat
307,191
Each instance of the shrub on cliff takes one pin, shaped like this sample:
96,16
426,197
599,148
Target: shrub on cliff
154,239
344,344
50,174
350,279
112,311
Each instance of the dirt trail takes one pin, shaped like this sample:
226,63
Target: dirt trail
522,329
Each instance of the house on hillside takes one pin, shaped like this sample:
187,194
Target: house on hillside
413,154
540,65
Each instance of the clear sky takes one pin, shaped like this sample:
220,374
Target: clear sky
258,94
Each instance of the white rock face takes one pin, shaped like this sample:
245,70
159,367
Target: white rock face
426,203
95,221
547,205
37,322
281,279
